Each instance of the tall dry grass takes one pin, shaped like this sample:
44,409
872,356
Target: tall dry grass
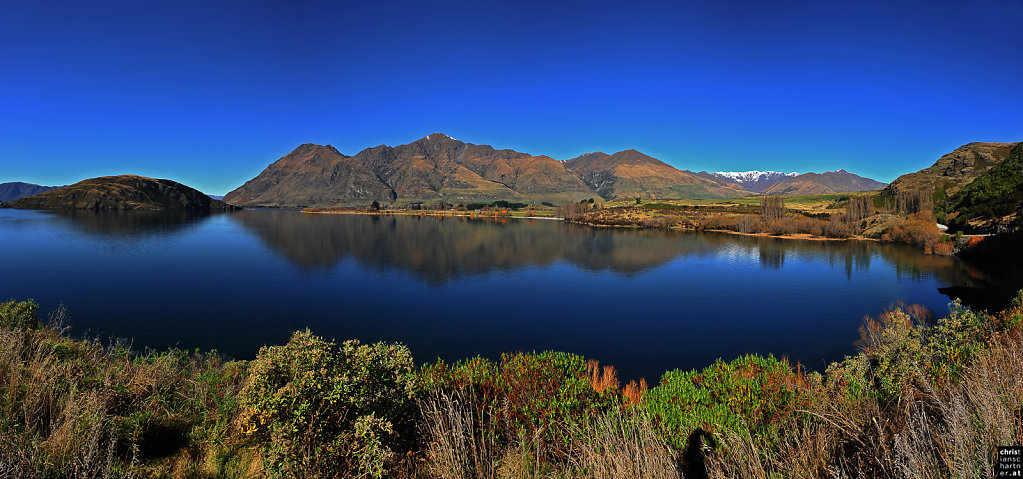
622,442
461,439
461,444
77,408
931,431
955,432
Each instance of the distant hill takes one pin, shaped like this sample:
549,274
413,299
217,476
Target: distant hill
954,170
840,181
14,190
992,202
124,192
629,174
440,168
755,180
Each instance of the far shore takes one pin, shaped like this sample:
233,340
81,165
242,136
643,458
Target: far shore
797,236
445,213
473,214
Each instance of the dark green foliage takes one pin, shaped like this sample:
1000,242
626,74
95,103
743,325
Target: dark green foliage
995,194
319,410
747,395
547,203
19,315
375,205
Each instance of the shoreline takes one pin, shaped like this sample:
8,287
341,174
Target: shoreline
453,214
797,236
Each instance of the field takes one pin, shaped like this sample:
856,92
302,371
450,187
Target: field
822,203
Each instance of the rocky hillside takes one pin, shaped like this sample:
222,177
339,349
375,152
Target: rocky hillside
440,168
953,171
629,174
434,168
993,202
840,181
126,193
14,190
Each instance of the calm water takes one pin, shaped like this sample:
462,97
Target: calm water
646,301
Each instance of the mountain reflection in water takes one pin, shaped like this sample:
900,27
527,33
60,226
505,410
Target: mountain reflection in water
439,249
643,300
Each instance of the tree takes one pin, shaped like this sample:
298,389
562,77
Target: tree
772,207
375,205
858,208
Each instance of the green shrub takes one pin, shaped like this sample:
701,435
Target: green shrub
954,343
747,395
900,349
316,409
20,315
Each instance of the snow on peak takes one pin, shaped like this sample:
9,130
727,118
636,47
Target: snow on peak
752,175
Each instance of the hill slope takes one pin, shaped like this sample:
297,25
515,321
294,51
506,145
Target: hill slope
124,192
14,190
436,167
840,181
954,170
993,201
629,174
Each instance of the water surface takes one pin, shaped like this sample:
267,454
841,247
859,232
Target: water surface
645,301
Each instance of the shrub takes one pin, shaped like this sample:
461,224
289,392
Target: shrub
919,230
20,315
901,349
528,396
316,409
741,224
747,395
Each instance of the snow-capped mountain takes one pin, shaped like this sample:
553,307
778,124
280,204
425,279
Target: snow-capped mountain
754,180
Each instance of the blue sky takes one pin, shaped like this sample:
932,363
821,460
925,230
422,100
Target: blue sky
208,93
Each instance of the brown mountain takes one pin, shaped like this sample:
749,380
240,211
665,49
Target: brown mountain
840,181
124,192
436,167
629,174
954,170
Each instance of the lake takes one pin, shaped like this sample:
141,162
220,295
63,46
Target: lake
645,301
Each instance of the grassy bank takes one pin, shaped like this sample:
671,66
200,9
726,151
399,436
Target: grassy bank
922,398
836,216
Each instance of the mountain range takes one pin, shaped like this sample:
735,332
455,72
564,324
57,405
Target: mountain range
14,190
839,181
440,168
754,180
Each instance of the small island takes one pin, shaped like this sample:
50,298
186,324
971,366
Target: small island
124,193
